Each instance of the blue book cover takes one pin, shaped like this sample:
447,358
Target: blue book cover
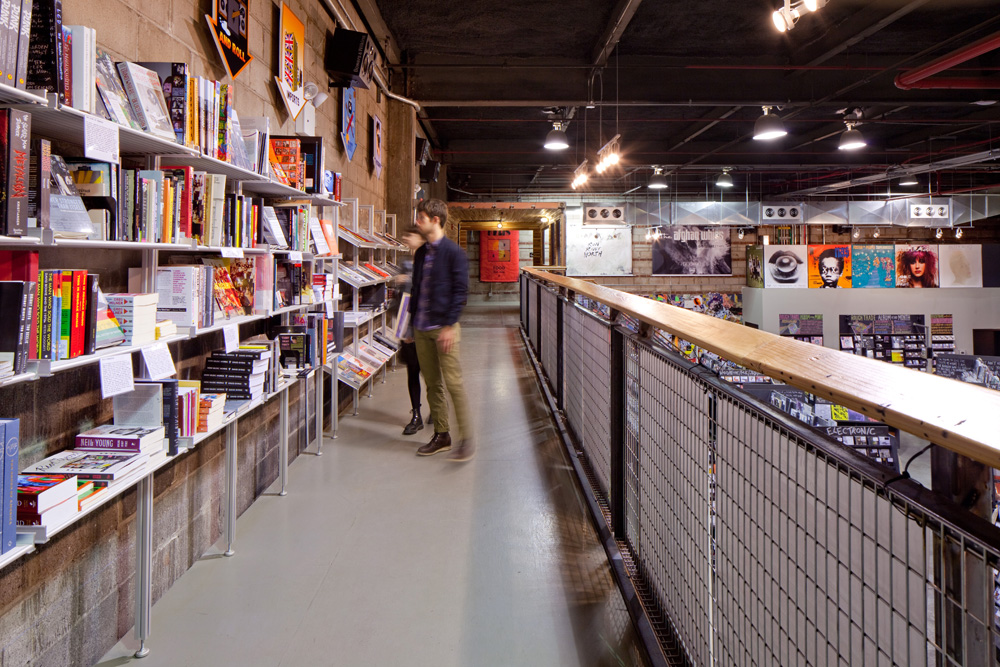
873,265
8,532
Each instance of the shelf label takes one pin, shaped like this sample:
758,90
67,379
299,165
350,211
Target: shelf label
100,139
329,310
116,375
295,256
159,362
231,336
233,253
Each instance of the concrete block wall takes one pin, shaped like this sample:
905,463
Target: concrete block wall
73,599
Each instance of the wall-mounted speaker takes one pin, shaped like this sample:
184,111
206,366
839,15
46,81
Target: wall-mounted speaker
349,59
430,171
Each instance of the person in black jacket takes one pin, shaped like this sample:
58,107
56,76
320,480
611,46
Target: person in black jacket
439,292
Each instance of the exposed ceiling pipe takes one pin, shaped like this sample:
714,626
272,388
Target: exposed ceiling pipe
917,78
622,14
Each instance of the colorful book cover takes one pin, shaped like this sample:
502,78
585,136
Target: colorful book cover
142,87
78,314
65,313
961,265
755,266
873,265
104,466
37,493
916,265
829,266
785,266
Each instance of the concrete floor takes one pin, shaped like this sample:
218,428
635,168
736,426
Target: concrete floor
379,557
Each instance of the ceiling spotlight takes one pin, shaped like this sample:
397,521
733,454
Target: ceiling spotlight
579,175
851,139
312,93
499,225
958,233
556,139
856,233
768,126
657,181
725,181
740,233
938,233
813,5
544,219
876,233
785,17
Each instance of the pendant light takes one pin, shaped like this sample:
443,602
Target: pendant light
657,181
851,139
556,139
768,126
724,180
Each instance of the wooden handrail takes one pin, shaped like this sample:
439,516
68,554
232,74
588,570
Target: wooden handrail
961,417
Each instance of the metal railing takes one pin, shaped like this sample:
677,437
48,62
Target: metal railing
751,538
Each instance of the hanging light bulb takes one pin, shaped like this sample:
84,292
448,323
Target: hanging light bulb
768,126
579,175
958,233
875,235
739,234
856,233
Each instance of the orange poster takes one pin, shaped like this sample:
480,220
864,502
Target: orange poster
829,266
498,257
291,65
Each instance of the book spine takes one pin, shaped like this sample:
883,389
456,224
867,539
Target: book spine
66,60
171,415
132,94
65,313
78,313
27,503
8,20
90,319
23,43
24,333
90,443
45,315
234,365
56,313
10,469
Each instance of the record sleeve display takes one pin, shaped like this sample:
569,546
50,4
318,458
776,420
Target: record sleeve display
897,339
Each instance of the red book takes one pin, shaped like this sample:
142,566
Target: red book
78,313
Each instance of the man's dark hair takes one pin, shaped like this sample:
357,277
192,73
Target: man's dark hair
831,253
434,207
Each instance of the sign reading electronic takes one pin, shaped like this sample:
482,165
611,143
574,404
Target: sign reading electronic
230,27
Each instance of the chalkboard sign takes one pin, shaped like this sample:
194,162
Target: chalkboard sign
971,368
598,251
878,442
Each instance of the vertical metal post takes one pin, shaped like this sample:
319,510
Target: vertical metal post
538,320
319,411
617,405
560,304
231,463
143,562
283,441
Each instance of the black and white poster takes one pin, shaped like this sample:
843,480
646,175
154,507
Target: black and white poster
693,251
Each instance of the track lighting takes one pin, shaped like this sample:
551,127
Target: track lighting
786,16
579,175
851,139
876,233
740,233
938,233
556,139
657,181
958,233
768,126
608,155
725,181
856,233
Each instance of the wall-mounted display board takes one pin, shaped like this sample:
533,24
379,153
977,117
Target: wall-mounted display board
808,328
942,337
598,251
897,339
693,251
291,61
755,266
972,368
879,442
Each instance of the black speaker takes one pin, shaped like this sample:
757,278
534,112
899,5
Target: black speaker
430,171
349,59
422,150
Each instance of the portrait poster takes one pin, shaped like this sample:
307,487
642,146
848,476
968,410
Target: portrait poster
377,147
785,266
961,265
873,265
829,266
498,256
917,265
991,264
291,61
755,265
598,251
348,122
693,251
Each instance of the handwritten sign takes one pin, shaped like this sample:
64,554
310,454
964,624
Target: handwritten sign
100,139
231,337
233,253
598,251
116,375
159,362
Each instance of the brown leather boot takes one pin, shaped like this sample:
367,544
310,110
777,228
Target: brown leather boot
463,452
441,442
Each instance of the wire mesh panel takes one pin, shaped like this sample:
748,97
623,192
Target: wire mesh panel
534,325
549,352
524,301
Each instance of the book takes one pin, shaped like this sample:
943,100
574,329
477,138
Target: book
107,330
174,84
24,43
93,495
145,96
83,66
39,181
10,437
41,525
90,315
38,493
15,138
97,466
12,294
45,56
170,417
10,11
112,93
120,438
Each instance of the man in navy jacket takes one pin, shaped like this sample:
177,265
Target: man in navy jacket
439,293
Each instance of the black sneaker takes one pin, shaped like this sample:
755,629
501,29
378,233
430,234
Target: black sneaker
441,442
415,424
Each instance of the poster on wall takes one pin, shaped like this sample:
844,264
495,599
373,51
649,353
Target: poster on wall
348,124
916,265
785,266
598,251
873,265
498,252
230,25
961,265
377,146
693,251
755,266
291,63
829,266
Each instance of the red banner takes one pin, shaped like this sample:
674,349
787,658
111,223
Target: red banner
498,253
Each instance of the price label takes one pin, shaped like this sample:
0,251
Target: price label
100,139
231,335
116,375
159,362
295,256
233,253
329,310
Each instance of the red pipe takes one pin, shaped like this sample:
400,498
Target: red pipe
911,78
954,83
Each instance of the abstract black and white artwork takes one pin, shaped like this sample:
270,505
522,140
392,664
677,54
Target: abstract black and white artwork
693,251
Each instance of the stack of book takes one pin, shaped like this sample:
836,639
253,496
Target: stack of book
324,288
165,329
136,313
110,469
239,374
187,408
352,370
211,412
143,440
186,295
47,501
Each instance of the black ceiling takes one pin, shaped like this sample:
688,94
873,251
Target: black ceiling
683,83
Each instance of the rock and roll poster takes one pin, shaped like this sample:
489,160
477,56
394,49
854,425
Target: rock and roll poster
498,257
229,24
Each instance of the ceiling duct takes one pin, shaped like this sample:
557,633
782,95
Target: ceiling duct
825,213
781,212
601,214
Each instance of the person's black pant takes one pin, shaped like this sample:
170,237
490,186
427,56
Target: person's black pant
408,354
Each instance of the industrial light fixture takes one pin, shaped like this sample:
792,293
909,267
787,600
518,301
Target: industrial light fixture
725,181
856,233
876,233
556,139
938,233
579,175
768,126
653,234
909,181
657,181
786,16
958,233
851,139
312,93
739,233
608,155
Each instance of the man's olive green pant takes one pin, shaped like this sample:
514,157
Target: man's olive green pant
442,369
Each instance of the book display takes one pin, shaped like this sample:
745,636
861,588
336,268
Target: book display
897,339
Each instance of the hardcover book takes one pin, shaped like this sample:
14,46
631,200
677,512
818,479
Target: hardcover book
15,136
104,466
112,92
174,84
24,43
39,493
45,53
118,438
145,95
10,437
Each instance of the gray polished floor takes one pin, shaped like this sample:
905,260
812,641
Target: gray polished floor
380,557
